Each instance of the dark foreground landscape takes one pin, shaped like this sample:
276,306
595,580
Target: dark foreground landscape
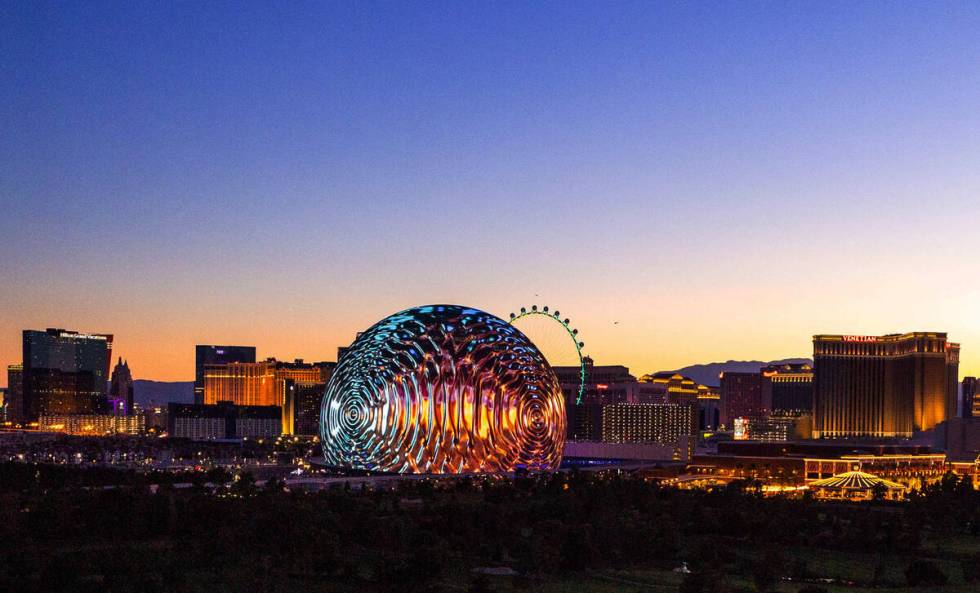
67,529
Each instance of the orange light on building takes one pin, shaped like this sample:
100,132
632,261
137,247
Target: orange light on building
255,383
741,429
88,424
263,383
883,386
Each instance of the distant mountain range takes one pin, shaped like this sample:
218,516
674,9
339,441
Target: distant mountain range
156,393
707,374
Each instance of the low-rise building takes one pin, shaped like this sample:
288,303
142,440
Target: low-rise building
856,485
962,438
638,453
666,424
777,427
802,462
91,424
223,420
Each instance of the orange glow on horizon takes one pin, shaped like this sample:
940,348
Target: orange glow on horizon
655,333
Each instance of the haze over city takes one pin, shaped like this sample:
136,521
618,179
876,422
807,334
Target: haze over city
690,183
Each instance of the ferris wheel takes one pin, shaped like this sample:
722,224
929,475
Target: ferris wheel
551,334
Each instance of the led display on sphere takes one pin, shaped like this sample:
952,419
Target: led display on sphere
443,389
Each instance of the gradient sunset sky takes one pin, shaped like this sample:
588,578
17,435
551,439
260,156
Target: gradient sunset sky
724,180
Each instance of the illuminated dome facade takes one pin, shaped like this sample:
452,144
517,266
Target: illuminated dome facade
856,485
443,389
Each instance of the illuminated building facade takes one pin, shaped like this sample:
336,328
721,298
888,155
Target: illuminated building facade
604,384
301,372
648,423
443,389
883,386
65,372
779,426
156,419
197,427
301,414
15,394
670,388
770,468
856,485
970,400
907,469
613,384
242,383
741,396
788,388
303,396
799,463
709,409
740,428
205,354
223,421
91,424
256,383
674,388
264,383
969,468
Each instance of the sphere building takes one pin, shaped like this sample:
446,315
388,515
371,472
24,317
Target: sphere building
443,389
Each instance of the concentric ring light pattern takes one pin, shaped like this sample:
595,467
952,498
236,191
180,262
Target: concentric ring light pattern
443,389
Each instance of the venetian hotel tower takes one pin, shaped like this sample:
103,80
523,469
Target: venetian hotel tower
883,386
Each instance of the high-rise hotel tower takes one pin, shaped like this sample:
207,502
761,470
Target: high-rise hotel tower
65,372
883,386
206,354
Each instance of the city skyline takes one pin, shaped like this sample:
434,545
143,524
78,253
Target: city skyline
332,356
689,183
377,296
